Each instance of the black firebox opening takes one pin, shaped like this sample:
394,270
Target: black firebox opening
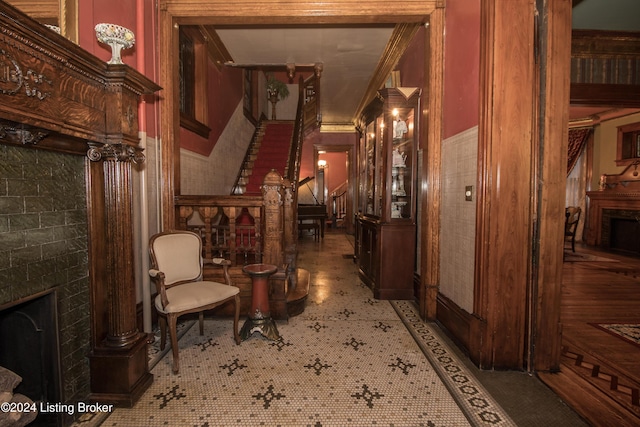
29,347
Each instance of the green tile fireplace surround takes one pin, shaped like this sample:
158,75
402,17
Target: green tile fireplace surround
43,247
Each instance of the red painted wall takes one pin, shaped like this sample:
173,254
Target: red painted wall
462,66
225,93
307,168
119,12
336,172
140,17
411,65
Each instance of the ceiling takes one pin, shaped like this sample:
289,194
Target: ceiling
351,55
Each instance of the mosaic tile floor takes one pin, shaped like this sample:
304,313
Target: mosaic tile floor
347,360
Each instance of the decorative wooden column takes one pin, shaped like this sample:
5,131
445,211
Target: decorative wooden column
116,165
118,360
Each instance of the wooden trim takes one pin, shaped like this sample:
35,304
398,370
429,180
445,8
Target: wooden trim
504,216
400,39
455,320
68,20
250,12
604,44
610,95
431,144
38,9
169,117
194,126
218,53
545,338
632,127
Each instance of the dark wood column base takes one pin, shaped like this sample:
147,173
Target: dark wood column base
120,376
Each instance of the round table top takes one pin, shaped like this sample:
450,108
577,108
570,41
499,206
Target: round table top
259,269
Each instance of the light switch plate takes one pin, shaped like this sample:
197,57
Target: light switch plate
468,193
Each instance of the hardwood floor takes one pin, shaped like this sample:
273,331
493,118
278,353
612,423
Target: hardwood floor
600,372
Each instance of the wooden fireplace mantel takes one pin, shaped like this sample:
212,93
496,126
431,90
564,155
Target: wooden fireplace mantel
56,96
50,84
621,192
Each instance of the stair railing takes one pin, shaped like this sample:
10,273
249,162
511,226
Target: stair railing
230,226
311,95
339,203
242,228
292,175
241,180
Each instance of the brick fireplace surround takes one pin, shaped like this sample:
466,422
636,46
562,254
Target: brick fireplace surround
68,138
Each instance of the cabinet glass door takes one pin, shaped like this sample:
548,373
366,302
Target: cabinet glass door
402,143
379,171
371,156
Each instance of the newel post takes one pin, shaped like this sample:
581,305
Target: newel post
272,195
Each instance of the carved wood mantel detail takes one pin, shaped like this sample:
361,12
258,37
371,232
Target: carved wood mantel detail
56,96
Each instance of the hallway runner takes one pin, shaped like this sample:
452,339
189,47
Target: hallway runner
477,403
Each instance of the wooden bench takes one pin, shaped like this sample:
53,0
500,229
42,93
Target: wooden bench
313,226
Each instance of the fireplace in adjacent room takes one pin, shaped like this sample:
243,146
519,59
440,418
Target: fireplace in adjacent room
621,230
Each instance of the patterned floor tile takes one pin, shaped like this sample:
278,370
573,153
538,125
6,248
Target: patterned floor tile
348,360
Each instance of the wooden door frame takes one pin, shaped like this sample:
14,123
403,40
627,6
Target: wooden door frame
351,168
173,13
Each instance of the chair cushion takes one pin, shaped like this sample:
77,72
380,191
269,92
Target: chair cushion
178,256
195,294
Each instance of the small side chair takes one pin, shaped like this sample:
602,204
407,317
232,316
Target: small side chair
572,217
177,270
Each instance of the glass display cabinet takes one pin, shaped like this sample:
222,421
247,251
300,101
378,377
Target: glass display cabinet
385,223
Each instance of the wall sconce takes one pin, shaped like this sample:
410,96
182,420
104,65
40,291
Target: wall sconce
322,164
291,71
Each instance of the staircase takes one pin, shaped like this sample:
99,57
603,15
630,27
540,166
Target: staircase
270,150
222,221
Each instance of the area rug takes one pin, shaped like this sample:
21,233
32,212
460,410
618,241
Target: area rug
582,257
625,331
347,360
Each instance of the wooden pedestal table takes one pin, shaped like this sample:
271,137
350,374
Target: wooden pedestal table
259,319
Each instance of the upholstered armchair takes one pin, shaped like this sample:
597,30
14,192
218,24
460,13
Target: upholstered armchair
177,270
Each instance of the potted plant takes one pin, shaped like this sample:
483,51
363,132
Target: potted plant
276,91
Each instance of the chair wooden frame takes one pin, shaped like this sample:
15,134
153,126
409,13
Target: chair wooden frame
572,218
193,279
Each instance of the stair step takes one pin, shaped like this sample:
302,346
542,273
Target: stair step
270,151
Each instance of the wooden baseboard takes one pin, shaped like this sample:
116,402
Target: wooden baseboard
456,321
464,328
